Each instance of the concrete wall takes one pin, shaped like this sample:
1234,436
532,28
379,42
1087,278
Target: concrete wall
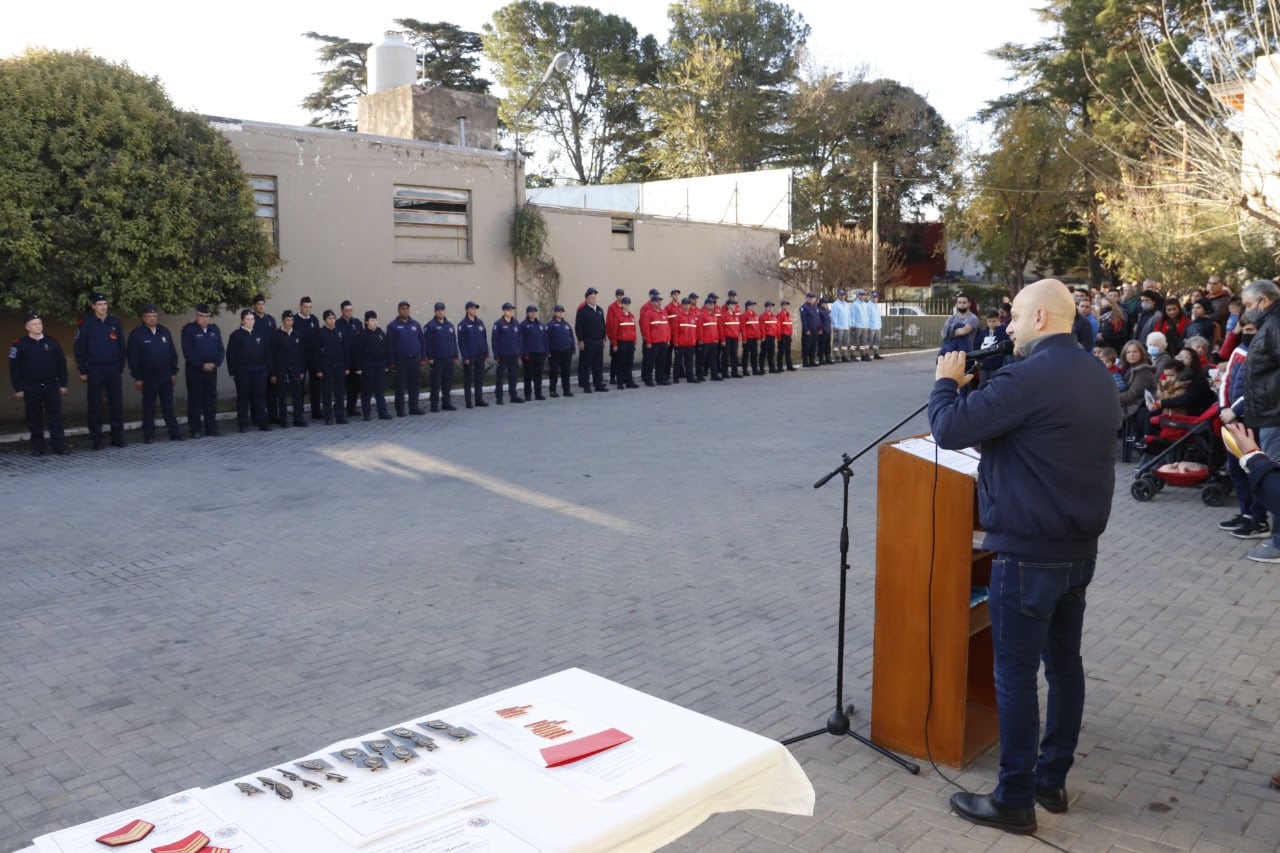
430,114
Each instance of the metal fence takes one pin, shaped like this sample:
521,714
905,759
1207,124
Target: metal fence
912,331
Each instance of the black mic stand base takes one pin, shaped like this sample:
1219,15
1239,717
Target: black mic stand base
838,724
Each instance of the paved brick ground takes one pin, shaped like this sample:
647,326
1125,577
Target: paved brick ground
180,614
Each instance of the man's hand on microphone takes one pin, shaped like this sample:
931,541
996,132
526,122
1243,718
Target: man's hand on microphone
952,366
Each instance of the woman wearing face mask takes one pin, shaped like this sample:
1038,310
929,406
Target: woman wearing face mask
1158,350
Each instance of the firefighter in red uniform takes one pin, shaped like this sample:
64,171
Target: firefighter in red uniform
769,339
657,340
611,318
672,312
686,341
751,342
785,328
626,349
646,319
730,333
709,340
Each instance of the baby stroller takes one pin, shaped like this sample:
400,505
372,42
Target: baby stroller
1189,439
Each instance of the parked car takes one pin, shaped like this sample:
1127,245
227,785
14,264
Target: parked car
902,311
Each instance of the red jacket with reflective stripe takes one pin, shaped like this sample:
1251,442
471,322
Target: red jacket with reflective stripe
785,326
626,326
750,325
611,318
708,326
730,325
769,324
687,330
654,326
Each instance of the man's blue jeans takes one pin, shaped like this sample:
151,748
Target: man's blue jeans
1037,612
1269,443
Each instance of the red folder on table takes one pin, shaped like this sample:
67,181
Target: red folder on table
583,747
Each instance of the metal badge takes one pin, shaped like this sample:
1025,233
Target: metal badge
248,789
334,777
270,783
424,742
402,732
375,762
350,753
312,764
402,754
288,774
283,791
459,733
379,745
436,724
307,783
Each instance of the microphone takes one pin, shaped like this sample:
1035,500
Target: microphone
1002,348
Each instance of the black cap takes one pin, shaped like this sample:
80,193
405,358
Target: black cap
712,296
626,300
768,304
692,295
750,302
810,295
507,306
674,292
731,301
439,306
98,297
655,297
346,303
822,301
733,293
559,308
785,302
202,308
591,291
685,301
471,304
328,312
530,309
619,292
246,312
370,315
653,291
258,297
403,304
286,314
148,309
31,315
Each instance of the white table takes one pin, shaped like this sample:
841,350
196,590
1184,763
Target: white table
720,768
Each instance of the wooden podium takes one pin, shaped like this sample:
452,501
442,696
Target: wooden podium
928,527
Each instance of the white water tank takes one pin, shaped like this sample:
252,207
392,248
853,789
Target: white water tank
392,64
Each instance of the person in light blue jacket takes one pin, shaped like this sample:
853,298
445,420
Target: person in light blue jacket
861,326
841,323
875,323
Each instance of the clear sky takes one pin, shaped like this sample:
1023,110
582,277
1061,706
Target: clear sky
249,60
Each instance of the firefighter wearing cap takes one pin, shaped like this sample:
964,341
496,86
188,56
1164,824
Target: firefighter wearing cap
730,334
875,322
673,369
709,340
330,362
611,332
351,327
249,363
657,339
810,329
203,353
442,351
266,325
506,353
371,358
38,373
785,330
153,363
289,371
404,334
473,347
626,346
751,341
841,324
769,339
100,357
306,325
533,343
560,346
686,341
589,328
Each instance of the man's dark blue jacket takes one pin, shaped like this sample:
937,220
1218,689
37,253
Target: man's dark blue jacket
1047,424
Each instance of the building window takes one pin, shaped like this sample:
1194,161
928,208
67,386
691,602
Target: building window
432,224
624,234
264,196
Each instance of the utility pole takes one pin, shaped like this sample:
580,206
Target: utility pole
875,223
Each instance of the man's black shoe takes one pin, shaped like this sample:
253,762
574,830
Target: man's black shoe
602,388
147,439
384,417
983,810
481,404
568,394
1053,799
448,407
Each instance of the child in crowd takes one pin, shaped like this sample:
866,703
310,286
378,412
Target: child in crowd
997,331
1110,360
1234,309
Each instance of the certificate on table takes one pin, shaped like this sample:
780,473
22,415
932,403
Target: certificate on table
392,803
175,817
473,833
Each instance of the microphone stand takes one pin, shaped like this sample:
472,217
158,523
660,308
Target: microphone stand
838,722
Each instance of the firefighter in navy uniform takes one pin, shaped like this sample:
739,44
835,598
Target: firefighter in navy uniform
153,363
442,351
266,325
589,328
371,358
560,344
473,347
306,325
289,370
351,327
533,344
506,352
203,352
38,371
408,348
330,362
249,363
100,358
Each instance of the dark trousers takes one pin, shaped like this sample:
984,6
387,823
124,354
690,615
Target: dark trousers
613,364
288,387
251,398
42,404
441,382
666,363
1037,613
1249,504
507,367
808,349
685,357
277,406
408,383
729,357
373,389
591,365
784,352
769,354
626,361
709,361
751,356
158,386
473,379
333,386
202,401
651,363
105,381
353,392
317,395
560,363
534,362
